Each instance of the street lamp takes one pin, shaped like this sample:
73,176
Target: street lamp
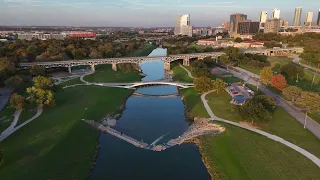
297,78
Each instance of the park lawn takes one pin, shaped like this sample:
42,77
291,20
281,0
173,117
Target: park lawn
282,124
144,51
58,145
71,82
29,111
6,116
194,105
229,80
179,74
315,117
104,73
255,70
241,154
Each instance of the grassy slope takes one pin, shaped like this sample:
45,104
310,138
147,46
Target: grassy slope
144,51
282,124
6,113
104,73
240,154
71,82
193,102
58,145
180,74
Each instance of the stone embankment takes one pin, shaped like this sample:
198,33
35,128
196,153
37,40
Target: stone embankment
198,128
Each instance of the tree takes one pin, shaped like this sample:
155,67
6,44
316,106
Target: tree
224,59
254,111
238,40
203,84
17,101
292,92
310,101
42,82
267,102
14,82
37,70
266,75
7,68
291,71
41,97
279,82
219,85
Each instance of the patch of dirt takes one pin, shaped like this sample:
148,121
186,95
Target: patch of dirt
249,124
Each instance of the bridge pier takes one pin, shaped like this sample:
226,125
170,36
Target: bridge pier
114,66
93,68
167,74
186,61
69,69
167,66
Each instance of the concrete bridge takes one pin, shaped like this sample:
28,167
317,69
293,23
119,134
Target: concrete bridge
114,61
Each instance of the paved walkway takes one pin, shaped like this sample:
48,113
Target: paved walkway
297,59
310,156
12,127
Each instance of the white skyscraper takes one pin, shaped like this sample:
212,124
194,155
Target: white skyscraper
309,18
182,26
263,18
276,13
297,16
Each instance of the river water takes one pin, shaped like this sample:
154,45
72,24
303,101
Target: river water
149,119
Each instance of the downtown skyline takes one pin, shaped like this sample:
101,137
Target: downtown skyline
140,13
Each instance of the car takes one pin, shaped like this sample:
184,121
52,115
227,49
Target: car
235,92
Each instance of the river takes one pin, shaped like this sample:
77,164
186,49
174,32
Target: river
150,119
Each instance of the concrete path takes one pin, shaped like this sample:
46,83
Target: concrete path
14,129
297,59
10,129
189,73
310,156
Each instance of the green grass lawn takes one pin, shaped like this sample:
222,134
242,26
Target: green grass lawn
229,80
251,69
241,154
194,105
144,51
282,124
58,145
6,114
104,73
29,111
71,82
315,117
179,74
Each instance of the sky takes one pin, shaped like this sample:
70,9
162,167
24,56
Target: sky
141,13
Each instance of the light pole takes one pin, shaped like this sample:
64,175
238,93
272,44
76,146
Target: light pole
305,120
297,78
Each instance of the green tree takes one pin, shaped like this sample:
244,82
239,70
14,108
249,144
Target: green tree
254,111
14,82
224,59
310,101
203,84
291,71
17,101
266,75
37,70
279,82
292,92
238,40
7,68
219,85
41,97
41,82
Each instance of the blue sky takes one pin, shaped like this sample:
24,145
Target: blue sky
141,13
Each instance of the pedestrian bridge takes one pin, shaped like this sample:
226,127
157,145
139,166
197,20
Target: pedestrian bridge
135,85
155,96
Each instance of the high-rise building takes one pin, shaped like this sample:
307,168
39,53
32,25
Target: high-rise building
248,27
234,19
297,16
276,13
318,21
284,23
272,26
182,25
263,18
309,17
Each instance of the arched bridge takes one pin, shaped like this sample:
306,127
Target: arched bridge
134,85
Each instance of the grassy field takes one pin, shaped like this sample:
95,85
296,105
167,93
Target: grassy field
229,80
58,145
194,105
71,82
282,124
29,111
255,70
144,51
241,154
104,73
6,115
180,74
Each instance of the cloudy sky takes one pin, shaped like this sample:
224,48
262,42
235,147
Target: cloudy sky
141,13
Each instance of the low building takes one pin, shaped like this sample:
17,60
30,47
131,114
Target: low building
186,30
215,43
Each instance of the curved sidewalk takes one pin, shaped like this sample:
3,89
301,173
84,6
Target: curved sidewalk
189,73
310,156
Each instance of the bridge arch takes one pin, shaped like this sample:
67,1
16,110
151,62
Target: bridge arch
181,85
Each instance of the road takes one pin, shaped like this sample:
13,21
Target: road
311,125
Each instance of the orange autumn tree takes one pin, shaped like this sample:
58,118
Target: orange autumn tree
279,82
